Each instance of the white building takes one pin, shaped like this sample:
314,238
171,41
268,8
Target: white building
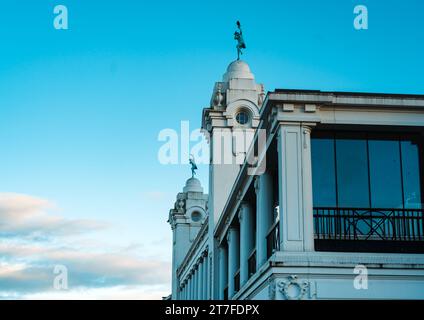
331,209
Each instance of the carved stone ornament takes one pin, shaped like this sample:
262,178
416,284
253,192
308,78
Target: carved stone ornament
261,96
180,205
219,98
272,115
256,184
293,288
271,289
239,195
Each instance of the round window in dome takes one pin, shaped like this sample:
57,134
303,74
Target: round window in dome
242,117
196,216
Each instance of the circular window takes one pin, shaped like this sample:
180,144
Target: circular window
196,216
242,117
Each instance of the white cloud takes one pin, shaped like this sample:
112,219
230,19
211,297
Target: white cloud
116,293
24,215
32,241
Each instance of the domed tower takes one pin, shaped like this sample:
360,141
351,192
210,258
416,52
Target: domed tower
186,219
229,124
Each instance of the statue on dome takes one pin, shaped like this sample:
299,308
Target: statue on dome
193,166
238,35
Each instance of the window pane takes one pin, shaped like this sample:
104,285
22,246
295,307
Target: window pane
411,175
352,172
323,173
385,174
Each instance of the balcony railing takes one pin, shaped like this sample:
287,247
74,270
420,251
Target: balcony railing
237,281
371,230
251,263
273,239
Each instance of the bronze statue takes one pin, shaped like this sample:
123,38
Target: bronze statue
193,166
238,35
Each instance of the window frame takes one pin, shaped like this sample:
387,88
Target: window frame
416,137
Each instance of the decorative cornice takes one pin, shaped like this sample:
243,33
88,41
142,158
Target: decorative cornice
346,259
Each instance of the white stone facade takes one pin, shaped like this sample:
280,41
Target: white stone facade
257,236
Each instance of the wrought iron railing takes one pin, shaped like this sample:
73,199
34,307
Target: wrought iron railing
380,229
273,239
251,263
237,281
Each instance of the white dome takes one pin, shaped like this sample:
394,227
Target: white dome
238,70
193,185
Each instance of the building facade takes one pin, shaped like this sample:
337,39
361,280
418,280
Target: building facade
312,195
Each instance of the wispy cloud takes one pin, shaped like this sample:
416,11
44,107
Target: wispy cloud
27,216
32,242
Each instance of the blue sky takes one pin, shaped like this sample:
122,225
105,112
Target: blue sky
81,109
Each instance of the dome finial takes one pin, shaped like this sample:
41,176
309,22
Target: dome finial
238,35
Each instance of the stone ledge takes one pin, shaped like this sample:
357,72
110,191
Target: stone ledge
332,259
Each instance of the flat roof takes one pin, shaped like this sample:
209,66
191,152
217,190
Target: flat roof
347,93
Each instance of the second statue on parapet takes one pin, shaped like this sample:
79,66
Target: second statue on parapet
238,35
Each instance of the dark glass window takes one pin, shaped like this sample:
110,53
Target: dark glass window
385,174
324,179
352,172
411,175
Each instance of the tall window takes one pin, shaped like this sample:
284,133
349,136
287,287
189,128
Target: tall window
353,170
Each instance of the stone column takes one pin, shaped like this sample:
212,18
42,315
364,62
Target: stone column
223,270
195,282
295,193
189,288
247,240
264,215
233,239
308,202
200,283
205,276
192,285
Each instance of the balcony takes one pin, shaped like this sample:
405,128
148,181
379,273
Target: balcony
273,239
369,230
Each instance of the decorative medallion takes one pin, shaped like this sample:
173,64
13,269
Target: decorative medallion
293,288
